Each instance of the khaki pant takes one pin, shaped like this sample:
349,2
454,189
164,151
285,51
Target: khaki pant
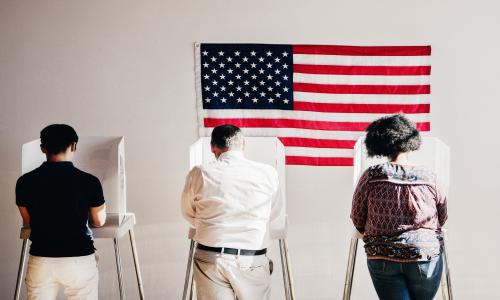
77,275
228,277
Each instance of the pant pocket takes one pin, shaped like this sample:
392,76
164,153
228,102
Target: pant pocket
253,261
271,266
427,269
86,268
204,259
376,266
36,261
37,270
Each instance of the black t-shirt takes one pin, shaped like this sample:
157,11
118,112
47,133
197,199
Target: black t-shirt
58,197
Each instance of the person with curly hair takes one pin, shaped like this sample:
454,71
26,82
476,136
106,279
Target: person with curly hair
400,209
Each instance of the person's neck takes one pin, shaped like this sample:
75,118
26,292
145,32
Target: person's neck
401,159
226,151
58,158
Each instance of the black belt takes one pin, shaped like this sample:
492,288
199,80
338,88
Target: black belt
232,251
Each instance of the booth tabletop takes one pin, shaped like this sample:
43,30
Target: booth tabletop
111,229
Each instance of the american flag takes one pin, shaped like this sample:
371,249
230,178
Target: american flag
317,99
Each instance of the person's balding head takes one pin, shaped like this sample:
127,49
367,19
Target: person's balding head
226,137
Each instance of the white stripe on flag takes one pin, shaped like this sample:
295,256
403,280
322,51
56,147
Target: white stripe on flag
292,132
319,152
361,79
346,60
361,99
301,115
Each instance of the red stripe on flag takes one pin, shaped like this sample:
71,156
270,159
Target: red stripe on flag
290,123
319,161
317,143
362,70
424,126
362,50
362,108
361,89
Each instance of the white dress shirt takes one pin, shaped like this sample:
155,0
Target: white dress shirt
231,201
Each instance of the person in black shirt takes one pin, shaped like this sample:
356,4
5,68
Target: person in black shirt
57,201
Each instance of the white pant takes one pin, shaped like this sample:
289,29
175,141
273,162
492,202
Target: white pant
77,275
225,276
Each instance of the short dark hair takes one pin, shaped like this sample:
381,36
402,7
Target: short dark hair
56,138
224,135
391,135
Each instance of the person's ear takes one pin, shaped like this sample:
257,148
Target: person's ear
73,147
215,150
44,150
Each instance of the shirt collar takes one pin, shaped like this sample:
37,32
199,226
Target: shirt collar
230,154
57,164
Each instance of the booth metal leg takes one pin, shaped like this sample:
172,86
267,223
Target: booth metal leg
188,279
119,268
285,269
353,249
136,264
192,290
20,272
289,271
446,290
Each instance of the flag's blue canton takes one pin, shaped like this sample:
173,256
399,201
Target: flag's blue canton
246,76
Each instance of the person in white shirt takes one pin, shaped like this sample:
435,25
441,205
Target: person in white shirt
231,202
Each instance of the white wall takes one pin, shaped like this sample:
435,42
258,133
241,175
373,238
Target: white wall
126,68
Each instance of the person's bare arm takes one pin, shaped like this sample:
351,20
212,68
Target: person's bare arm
98,215
25,215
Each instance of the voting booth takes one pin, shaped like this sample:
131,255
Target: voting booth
433,155
268,150
103,157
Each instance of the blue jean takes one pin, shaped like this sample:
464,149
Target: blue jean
406,281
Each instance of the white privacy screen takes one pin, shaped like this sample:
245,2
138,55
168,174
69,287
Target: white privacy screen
103,157
433,154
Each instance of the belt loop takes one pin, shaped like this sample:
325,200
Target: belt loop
239,250
222,251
